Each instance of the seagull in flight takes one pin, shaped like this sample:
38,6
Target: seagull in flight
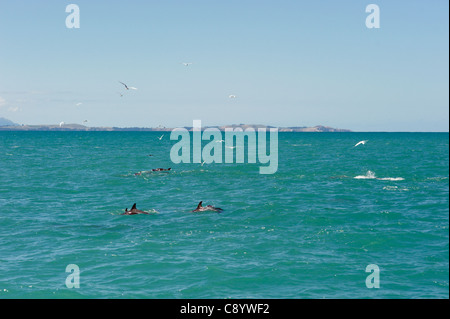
78,104
187,63
361,142
61,124
128,87
232,96
160,138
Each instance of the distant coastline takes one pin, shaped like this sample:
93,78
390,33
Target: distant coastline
80,128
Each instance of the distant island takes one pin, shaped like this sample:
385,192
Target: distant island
10,126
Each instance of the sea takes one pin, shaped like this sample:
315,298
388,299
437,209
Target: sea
335,221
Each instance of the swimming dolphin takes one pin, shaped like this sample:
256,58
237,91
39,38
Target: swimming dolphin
200,208
134,211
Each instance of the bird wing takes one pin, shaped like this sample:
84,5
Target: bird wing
361,142
124,84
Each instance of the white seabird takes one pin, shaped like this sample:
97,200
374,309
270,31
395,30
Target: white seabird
128,87
361,142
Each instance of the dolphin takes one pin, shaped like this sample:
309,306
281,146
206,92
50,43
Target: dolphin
200,208
134,211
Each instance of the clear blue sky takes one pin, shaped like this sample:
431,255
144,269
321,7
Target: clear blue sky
289,63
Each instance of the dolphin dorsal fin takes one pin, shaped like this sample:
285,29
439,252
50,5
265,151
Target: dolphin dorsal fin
134,206
199,205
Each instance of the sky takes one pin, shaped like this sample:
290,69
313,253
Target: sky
287,62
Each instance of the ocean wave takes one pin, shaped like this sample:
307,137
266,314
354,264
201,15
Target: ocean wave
437,179
395,188
371,175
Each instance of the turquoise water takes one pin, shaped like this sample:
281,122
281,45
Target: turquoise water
307,231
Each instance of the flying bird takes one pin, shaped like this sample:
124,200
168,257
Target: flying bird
160,138
187,63
78,104
361,142
128,87
232,96
61,124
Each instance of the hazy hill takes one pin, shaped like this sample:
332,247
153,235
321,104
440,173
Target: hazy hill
6,122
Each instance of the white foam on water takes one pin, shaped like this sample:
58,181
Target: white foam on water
395,188
371,175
